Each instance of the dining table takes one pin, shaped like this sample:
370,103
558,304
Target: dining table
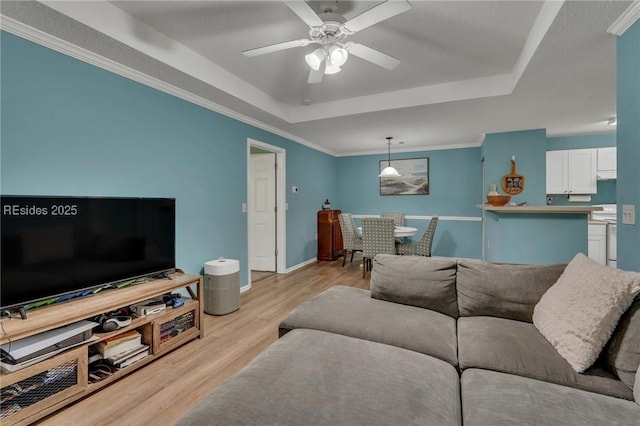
399,231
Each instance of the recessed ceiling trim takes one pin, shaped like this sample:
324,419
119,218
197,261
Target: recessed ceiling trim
626,20
416,149
47,40
427,95
117,24
543,22
114,22
496,85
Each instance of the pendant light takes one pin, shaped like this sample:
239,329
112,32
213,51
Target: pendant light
389,171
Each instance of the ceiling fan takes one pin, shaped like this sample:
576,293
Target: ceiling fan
330,30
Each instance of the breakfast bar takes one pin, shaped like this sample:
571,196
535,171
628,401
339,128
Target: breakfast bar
542,234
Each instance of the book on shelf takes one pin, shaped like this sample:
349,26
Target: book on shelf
120,343
132,359
118,358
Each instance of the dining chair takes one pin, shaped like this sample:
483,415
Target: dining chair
398,220
351,240
377,238
422,247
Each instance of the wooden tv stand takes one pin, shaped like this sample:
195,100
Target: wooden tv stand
45,398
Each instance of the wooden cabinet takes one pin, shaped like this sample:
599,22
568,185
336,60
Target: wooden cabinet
49,385
571,171
329,235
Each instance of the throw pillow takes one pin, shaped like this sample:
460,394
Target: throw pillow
580,311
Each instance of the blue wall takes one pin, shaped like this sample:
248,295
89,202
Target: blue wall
454,190
69,128
535,238
628,137
529,148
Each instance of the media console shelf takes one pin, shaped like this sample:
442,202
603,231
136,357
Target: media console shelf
48,395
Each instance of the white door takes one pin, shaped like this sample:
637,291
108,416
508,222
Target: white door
262,202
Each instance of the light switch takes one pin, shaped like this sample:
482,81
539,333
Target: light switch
244,207
629,214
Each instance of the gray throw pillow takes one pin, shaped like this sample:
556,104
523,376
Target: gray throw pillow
622,353
503,290
420,281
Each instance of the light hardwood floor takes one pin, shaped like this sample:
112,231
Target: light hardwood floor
162,391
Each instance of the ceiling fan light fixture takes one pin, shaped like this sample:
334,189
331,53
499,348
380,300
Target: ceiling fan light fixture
338,55
315,58
331,68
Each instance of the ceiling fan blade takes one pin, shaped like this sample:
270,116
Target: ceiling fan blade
304,11
377,14
373,55
315,76
276,47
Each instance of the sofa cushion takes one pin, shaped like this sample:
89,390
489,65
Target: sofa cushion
352,312
503,290
417,281
581,310
516,347
622,353
490,398
315,378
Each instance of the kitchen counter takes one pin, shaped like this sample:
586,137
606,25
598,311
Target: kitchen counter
540,209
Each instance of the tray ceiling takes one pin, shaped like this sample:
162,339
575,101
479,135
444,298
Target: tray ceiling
467,67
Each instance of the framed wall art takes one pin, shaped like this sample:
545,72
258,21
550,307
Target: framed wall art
413,180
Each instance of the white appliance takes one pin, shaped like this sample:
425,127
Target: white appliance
609,214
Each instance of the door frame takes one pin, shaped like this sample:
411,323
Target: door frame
281,230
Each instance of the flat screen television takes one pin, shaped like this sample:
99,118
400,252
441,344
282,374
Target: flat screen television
63,247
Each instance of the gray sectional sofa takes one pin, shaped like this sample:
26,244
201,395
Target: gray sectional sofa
435,342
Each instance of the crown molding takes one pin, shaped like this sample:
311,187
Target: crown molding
414,149
626,20
62,46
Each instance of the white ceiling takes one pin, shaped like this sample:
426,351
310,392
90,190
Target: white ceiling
467,67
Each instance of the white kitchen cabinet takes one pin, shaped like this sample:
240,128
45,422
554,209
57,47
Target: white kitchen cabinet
607,163
597,242
572,171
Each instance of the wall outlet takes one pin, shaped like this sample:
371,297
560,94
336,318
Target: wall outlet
629,214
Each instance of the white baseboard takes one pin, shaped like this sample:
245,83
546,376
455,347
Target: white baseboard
300,265
245,288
